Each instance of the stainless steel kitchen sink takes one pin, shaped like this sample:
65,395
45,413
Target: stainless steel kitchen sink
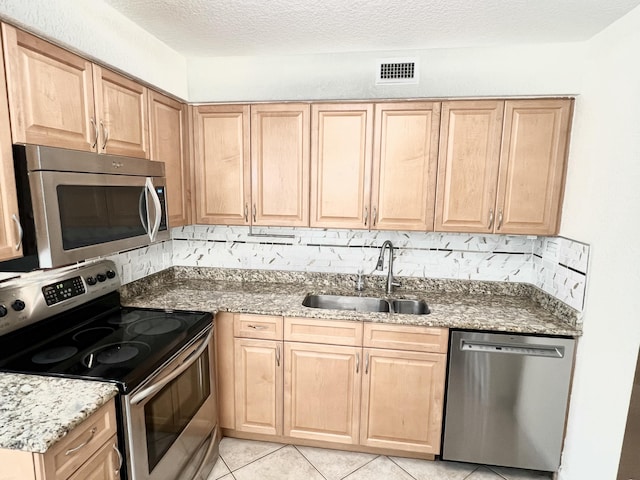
415,307
344,302
366,304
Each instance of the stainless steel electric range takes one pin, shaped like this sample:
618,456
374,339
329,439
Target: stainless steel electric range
69,323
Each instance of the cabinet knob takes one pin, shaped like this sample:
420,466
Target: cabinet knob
500,216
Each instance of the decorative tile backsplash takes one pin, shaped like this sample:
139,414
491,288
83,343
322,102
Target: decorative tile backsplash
554,264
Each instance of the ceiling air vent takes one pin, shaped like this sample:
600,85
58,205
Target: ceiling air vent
397,71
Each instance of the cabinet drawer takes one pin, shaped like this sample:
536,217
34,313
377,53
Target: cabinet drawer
257,326
406,337
105,464
66,456
313,330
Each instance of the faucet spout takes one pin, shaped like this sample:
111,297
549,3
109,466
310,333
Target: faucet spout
380,265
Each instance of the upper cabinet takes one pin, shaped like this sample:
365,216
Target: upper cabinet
59,99
168,144
501,166
252,164
10,241
280,164
341,156
405,156
121,114
532,166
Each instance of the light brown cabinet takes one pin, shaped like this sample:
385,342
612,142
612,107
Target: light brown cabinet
89,451
59,99
501,166
404,165
168,144
252,164
10,244
341,156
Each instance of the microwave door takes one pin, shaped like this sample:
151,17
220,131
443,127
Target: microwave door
81,216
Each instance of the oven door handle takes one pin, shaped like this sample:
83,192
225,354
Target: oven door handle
190,356
157,207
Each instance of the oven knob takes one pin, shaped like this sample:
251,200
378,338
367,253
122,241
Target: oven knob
18,305
111,274
91,280
101,277
3,311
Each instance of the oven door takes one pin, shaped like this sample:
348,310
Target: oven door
84,215
171,418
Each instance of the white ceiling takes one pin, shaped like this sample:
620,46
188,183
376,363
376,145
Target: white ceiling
275,27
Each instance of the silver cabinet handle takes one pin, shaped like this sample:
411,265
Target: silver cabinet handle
258,327
105,133
246,213
500,219
120,459
357,363
95,132
366,364
375,216
366,216
254,213
278,355
491,218
83,444
20,231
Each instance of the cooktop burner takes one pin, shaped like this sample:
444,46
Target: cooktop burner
115,353
155,326
54,355
125,318
91,335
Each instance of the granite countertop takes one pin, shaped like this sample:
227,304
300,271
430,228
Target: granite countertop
37,411
518,309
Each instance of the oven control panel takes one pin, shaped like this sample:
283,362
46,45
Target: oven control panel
39,295
63,290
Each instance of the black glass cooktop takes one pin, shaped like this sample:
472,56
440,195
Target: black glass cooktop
102,341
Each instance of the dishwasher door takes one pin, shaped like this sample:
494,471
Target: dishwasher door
507,399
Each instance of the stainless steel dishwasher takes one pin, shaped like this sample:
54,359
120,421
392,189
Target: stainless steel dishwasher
507,399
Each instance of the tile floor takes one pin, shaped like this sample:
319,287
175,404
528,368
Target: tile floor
250,460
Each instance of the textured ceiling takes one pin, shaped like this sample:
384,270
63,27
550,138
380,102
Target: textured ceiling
273,27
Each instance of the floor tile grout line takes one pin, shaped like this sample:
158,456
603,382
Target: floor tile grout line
400,467
225,464
308,461
361,466
256,459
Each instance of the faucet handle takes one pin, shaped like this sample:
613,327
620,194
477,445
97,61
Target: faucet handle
360,281
395,283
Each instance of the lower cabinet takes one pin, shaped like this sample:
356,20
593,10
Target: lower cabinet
376,387
88,452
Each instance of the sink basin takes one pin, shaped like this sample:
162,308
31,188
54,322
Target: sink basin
366,304
415,307
343,302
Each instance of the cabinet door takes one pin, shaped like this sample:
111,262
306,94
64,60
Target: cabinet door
50,93
402,400
168,133
121,107
222,164
405,157
225,375
341,136
280,164
532,166
104,465
10,245
468,161
322,392
258,384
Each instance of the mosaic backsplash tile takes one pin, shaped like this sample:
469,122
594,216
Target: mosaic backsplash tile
556,265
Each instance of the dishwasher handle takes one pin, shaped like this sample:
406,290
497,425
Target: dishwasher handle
549,351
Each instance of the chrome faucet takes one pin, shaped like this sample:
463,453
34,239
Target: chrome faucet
379,266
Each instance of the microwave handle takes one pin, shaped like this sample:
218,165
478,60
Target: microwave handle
189,358
141,210
158,208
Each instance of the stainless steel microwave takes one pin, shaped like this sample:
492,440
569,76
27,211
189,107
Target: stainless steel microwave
77,205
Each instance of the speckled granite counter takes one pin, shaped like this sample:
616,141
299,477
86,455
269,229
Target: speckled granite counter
494,306
36,411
